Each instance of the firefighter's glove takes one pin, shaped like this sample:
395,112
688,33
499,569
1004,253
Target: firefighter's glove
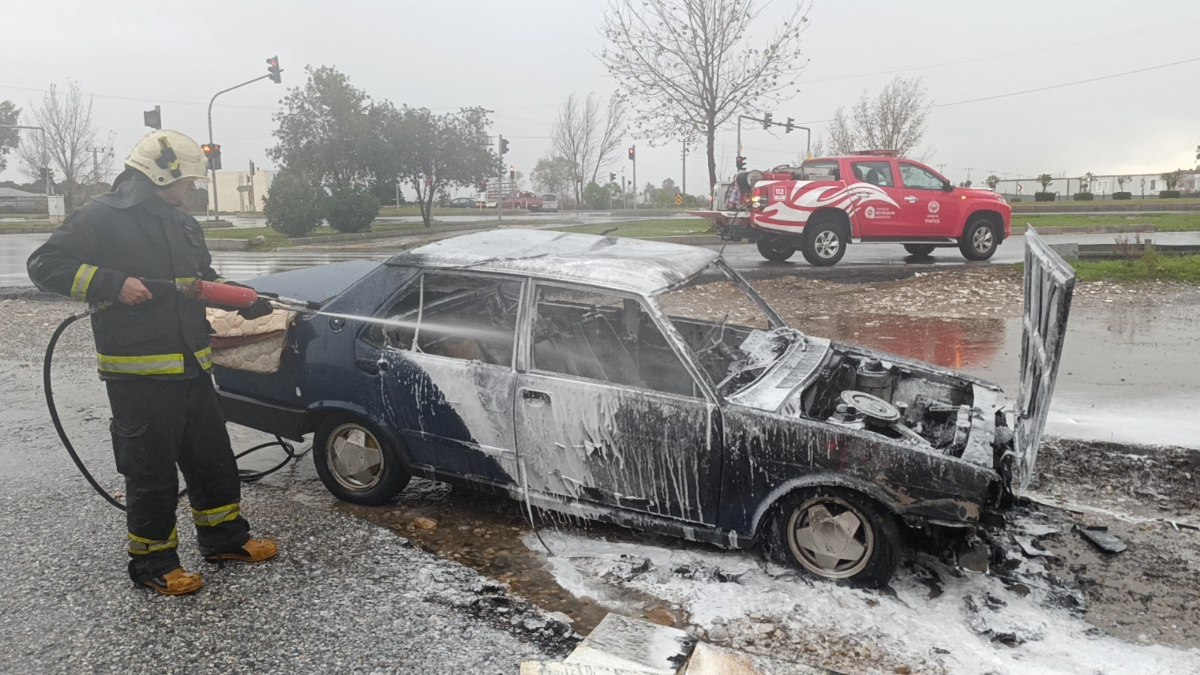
259,309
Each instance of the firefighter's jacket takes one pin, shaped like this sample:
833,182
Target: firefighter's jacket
131,232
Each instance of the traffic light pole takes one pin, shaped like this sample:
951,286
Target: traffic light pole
213,186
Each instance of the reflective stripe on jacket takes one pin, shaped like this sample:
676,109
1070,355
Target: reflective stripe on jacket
131,232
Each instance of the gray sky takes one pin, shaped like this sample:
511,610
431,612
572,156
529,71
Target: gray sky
521,59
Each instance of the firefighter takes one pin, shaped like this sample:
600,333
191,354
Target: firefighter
154,357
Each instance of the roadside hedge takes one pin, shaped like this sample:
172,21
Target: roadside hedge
1044,196
295,205
1169,194
1083,197
1122,195
351,210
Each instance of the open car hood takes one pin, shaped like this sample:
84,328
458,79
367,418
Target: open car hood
1049,284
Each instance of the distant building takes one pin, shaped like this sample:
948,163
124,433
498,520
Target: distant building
240,191
1146,185
19,201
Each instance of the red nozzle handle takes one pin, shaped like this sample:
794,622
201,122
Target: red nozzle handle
225,295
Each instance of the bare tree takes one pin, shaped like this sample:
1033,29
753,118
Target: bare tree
70,137
691,65
895,119
840,135
587,137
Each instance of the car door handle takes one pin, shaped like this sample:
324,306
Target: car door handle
911,200
535,397
371,366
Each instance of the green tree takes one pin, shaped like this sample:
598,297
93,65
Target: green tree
296,203
327,130
1045,179
1085,181
433,152
690,66
596,197
552,174
351,209
992,181
1121,181
9,114
1172,178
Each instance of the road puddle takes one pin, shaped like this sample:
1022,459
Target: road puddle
956,343
485,533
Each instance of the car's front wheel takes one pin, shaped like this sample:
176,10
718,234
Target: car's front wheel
835,534
980,238
356,463
775,249
824,242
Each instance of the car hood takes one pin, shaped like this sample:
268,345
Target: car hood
319,284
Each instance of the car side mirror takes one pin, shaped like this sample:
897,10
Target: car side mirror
947,186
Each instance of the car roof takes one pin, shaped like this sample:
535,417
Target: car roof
636,265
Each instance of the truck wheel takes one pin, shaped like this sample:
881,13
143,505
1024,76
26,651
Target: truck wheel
835,534
824,243
980,238
920,250
775,249
356,463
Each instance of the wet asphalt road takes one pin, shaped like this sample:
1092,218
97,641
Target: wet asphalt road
343,596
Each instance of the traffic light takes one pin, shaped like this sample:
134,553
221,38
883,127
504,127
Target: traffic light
512,173
153,118
274,70
45,174
789,126
503,145
632,152
766,120
741,163
612,177
213,152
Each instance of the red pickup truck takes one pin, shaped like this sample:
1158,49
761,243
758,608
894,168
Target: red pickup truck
825,204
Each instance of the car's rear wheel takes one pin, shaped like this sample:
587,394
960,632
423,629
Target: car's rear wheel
357,463
775,249
824,242
980,238
921,250
835,534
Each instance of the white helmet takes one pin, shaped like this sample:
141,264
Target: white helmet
167,156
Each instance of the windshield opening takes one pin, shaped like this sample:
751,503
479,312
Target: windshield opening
732,333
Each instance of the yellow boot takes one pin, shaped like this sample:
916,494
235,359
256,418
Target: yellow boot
253,551
176,582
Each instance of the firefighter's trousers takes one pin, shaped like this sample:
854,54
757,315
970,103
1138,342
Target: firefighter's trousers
158,425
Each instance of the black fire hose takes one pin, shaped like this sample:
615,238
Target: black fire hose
246,476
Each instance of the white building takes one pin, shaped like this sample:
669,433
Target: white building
1139,185
238,191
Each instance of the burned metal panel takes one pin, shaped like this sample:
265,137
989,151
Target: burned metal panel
768,455
618,446
1049,285
633,265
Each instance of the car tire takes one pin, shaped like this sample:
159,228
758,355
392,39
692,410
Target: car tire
824,242
919,250
356,462
775,249
835,534
980,238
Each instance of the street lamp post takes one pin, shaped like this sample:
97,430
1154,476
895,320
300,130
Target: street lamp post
216,202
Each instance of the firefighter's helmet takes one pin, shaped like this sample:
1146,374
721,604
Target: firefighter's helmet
166,156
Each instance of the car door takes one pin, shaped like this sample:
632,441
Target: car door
608,413
442,352
928,209
877,218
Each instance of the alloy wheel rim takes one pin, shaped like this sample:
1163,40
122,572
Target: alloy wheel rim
982,240
830,538
354,458
826,244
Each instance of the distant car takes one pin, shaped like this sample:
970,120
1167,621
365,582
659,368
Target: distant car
523,200
463,203
597,377
550,203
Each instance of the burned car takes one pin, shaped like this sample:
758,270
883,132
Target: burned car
645,384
